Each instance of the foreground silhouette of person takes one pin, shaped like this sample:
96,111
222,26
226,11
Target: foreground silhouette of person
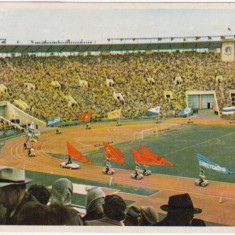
141,216
61,193
180,211
114,212
41,214
94,204
13,193
41,192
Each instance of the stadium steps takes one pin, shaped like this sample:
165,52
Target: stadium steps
207,114
11,123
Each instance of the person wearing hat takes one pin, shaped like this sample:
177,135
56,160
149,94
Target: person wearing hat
132,216
94,204
143,216
149,216
180,211
13,194
61,192
114,212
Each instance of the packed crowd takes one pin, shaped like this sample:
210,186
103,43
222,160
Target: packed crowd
38,205
130,73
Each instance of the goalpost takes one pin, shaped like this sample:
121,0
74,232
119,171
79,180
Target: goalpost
145,132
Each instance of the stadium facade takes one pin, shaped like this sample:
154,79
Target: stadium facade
225,44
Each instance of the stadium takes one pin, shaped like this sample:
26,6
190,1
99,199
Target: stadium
89,94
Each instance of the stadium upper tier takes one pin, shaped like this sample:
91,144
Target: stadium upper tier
172,74
116,44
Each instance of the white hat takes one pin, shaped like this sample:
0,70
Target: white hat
10,175
93,194
62,190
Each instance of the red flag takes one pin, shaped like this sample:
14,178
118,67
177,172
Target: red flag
113,153
157,159
73,152
138,157
85,116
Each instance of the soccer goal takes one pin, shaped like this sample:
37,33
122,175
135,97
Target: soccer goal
146,132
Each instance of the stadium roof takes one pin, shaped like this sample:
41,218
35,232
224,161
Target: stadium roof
128,44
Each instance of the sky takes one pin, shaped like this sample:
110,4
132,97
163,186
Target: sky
53,22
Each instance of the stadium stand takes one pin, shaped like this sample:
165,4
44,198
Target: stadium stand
130,71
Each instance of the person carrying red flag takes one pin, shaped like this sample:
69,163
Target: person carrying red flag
113,153
153,158
73,152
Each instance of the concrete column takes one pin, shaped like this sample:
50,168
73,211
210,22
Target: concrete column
228,50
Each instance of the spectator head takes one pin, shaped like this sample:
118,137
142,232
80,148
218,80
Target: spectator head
149,216
132,216
145,215
181,207
40,192
62,190
94,200
12,186
41,214
114,207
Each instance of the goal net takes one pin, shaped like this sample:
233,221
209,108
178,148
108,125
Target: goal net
146,132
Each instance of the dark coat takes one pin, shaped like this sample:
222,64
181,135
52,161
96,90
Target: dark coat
76,217
179,221
10,217
105,221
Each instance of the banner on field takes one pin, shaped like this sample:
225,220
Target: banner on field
204,162
85,116
186,112
34,138
115,114
153,111
228,110
54,121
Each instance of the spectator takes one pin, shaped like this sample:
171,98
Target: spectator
132,216
40,192
94,204
198,222
2,213
149,216
41,214
180,211
114,212
142,216
197,70
13,194
62,190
